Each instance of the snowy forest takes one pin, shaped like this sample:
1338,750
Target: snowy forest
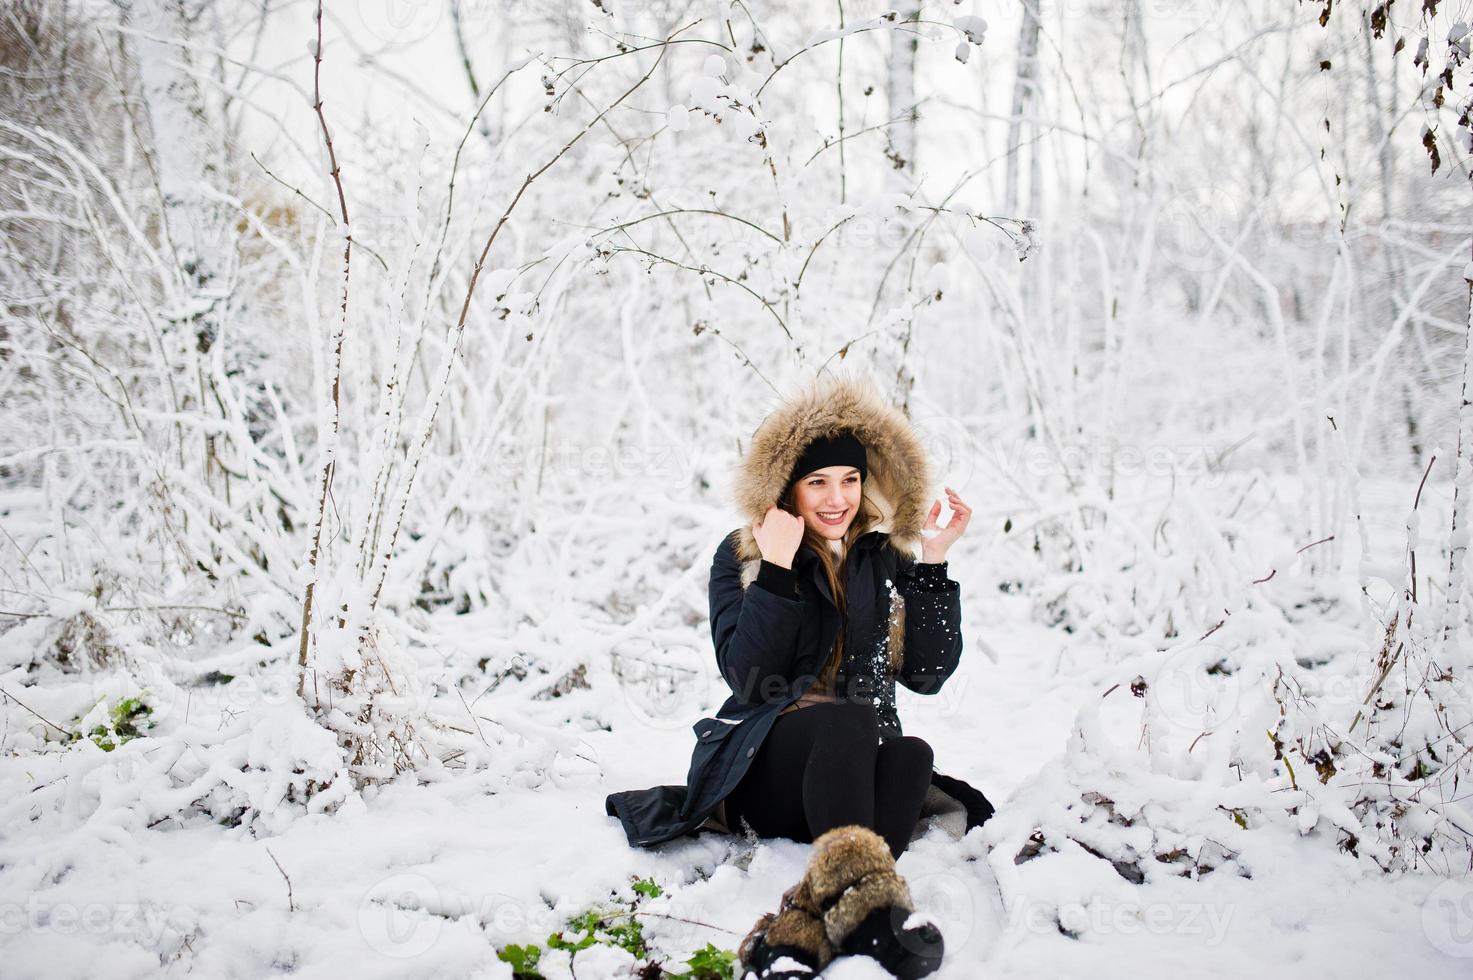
374,375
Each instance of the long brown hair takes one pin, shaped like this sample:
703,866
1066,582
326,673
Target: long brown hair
866,516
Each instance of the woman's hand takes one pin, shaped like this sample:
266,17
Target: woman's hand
778,535
933,550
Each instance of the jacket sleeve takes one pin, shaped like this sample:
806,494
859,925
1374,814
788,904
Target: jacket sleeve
933,626
754,630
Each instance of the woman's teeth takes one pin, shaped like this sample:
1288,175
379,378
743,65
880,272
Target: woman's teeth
833,517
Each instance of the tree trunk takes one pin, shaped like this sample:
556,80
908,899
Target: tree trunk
1462,487
1025,99
900,89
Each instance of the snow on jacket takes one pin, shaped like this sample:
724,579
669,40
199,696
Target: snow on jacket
772,628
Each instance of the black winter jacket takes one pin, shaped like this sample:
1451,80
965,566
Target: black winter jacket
771,636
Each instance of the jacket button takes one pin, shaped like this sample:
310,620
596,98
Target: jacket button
707,732
750,752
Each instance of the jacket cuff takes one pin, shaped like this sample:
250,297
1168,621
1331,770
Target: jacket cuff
778,580
931,576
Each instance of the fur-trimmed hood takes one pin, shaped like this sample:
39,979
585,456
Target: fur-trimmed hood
898,476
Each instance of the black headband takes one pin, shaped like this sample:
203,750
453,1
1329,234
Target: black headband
839,450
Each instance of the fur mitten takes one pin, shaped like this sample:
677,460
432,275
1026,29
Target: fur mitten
794,933
864,903
849,901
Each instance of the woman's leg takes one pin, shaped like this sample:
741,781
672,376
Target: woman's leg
822,767
902,776
839,781
814,771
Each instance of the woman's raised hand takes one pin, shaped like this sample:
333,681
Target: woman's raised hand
933,549
778,535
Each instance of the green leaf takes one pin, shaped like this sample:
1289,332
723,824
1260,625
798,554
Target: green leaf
556,941
629,935
523,960
709,963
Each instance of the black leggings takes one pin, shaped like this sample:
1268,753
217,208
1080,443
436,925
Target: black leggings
822,767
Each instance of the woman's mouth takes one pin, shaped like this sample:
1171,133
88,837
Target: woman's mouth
832,517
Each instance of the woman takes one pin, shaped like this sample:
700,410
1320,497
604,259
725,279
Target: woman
818,607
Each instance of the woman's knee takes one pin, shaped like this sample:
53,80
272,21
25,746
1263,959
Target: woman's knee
908,751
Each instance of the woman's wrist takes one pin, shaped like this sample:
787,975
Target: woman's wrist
930,576
777,578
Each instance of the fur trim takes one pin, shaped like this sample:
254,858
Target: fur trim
841,857
746,952
850,874
796,926
895,640
899,474
880,890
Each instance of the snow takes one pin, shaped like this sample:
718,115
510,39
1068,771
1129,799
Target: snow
973,27
788,963
421,879
1210,756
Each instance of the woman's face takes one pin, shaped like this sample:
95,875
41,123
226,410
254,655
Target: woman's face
828,499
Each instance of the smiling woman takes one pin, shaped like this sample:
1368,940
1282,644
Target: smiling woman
813,623
818,607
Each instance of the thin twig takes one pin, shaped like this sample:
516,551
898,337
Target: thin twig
32,711
290,902
705,270
470,293
329,465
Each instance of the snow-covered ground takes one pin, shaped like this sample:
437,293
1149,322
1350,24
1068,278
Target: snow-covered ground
429,879
1239,328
